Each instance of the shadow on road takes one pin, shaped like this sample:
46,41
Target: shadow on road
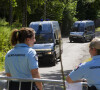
57,75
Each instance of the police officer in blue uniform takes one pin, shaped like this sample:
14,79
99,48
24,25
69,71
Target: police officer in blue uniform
21,61
90,70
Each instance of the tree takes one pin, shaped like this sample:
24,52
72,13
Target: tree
68,16
24,13
64,11
87,9
4,8
10,12
54,10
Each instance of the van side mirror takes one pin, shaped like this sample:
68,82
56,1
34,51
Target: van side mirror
57,41
85,31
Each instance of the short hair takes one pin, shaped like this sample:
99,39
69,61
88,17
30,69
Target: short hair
95,43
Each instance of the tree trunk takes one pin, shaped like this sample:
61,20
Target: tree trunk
10,12
24,13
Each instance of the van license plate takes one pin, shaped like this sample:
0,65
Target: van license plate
74,37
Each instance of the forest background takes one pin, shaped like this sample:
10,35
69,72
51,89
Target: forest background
18,13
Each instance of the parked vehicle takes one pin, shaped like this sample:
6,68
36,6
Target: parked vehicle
82,31
48,41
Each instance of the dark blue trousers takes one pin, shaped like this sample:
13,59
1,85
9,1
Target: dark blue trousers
24,86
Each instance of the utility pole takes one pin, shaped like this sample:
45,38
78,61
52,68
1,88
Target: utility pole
62,71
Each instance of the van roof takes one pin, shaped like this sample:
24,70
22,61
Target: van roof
43,22
45,26
86,22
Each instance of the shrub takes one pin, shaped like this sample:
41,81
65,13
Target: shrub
4,43
3,22
5,31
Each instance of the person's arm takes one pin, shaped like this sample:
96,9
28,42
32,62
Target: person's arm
35,74
8,74
69,80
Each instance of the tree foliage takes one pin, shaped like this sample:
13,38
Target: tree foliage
68,16
88,9
55,10
25,11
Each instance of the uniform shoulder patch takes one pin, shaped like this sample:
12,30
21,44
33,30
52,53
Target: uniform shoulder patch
77,67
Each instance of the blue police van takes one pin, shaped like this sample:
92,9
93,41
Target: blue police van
48,41
82,31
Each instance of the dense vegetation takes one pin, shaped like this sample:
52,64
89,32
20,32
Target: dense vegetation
17,13
4,41
64,11
5,31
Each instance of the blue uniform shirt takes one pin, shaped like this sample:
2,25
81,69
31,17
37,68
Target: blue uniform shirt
89,71
20,60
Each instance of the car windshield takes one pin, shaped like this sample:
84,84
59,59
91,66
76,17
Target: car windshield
78,27
75,29
44,38
44,28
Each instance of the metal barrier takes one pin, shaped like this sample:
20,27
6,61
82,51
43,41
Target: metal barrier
55,84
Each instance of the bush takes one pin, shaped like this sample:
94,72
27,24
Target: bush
3,22
5,31
16,24
4,43
98,29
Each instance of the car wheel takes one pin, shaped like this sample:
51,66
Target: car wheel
83,40
70,41
91,38
54,61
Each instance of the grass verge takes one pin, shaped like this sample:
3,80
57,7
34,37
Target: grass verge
98,29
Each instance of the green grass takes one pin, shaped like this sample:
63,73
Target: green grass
98,29
4,44
1,66
5,31
3,22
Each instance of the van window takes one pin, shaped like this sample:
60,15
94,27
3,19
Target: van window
82,26
78,27
44,28
44,38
